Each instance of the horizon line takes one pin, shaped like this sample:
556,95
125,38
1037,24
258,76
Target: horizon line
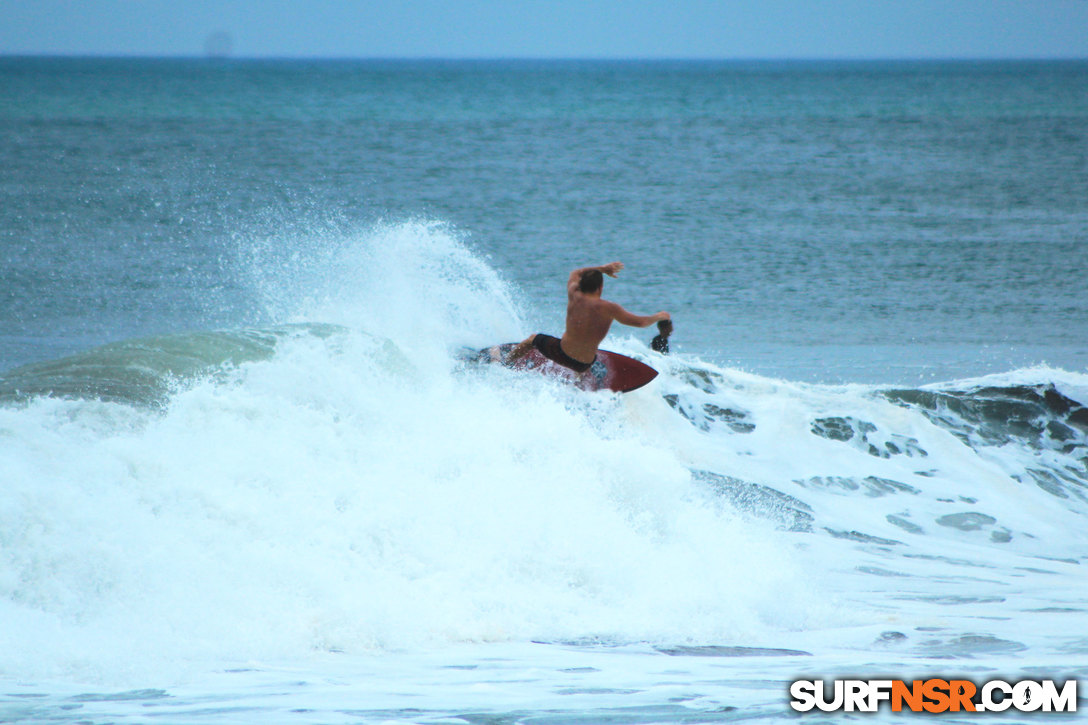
545,59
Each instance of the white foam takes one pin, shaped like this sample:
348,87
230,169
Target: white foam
362,492
350,495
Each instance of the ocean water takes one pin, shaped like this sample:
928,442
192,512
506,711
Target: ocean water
244,476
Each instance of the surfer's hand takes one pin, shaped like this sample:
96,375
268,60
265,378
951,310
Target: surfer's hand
661,316
612,269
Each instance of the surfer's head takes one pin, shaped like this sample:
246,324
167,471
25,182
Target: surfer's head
591,281
665,327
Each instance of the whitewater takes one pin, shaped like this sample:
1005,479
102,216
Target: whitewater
331,518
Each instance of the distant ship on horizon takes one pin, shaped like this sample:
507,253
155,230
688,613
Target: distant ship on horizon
219,44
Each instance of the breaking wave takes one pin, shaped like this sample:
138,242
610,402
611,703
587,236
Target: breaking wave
340,482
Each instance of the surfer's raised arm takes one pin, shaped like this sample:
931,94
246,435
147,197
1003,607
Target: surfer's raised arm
575,279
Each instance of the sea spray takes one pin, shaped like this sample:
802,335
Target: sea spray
415,282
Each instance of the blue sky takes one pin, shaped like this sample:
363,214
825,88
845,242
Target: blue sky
553,28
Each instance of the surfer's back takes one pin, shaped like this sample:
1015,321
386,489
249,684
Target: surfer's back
588,320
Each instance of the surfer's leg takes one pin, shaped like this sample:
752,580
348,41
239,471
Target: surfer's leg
520,350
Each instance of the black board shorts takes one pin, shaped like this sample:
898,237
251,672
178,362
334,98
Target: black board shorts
551,348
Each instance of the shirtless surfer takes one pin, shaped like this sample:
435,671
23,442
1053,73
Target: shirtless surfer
588,320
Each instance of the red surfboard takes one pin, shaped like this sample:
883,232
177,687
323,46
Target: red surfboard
610,371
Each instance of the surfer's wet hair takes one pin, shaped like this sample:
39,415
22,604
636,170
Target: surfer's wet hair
591,281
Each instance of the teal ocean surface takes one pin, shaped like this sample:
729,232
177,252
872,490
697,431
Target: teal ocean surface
244,476
883,222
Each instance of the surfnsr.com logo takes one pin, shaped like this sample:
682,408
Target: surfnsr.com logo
935,695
